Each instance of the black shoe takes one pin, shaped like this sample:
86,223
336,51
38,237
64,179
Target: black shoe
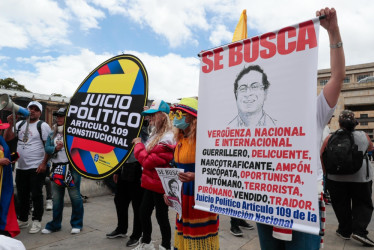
245,225
132,242
115,234
364,240
236,231
344,237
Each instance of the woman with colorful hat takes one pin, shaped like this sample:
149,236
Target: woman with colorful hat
196,229
8,217
157,152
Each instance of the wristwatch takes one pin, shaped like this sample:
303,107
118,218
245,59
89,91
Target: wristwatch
335,46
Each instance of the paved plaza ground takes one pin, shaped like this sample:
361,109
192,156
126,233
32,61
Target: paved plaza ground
100,218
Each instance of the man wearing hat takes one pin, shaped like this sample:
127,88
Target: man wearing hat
64,177
30,174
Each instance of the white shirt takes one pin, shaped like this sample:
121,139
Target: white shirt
61,154
32,151
324,113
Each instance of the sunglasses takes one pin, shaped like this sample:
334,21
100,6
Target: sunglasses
177,114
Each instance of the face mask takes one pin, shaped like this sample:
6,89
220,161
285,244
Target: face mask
60,129
181,123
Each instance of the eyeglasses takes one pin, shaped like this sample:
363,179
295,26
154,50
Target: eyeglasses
177,114
253,87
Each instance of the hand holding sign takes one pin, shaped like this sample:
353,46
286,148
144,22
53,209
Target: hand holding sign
136,140
186,177
167,202
330,23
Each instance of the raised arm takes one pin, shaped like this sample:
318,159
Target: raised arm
8,133
337,61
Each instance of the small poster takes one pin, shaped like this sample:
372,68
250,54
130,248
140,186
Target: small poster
172,187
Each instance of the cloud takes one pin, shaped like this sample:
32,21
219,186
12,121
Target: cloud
34,59
355,21
4,58
60,75
220,35
113,6
174,20
23,24
170,76
13,35
183,24
87,15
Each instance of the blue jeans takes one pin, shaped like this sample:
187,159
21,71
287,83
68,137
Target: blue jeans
76,220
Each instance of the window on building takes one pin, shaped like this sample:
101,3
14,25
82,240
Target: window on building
347,79
323,82
364,123
367,79
362,77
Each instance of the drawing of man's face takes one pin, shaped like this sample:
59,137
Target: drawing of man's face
251,93
174,188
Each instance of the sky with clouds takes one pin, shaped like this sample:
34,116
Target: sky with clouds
51,46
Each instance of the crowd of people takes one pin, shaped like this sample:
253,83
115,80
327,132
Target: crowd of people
37,147
169,135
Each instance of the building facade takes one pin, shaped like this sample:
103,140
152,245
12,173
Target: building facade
49,103
357,95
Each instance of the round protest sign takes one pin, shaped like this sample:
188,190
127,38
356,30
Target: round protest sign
104,116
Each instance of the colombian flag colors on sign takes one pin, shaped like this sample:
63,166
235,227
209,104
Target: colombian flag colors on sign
104,116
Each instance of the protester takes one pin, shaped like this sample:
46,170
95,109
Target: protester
129,190
196,229
351,193
30,175
157,152
63,176
278,238
8,218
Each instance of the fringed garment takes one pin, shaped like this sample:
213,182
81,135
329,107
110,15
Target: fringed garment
8,218
197,229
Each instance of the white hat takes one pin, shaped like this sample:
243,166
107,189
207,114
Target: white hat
35,103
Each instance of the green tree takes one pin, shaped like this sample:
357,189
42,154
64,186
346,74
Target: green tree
10,83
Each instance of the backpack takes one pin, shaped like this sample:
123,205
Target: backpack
38,127
341,155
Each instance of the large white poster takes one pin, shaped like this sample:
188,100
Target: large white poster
256,154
